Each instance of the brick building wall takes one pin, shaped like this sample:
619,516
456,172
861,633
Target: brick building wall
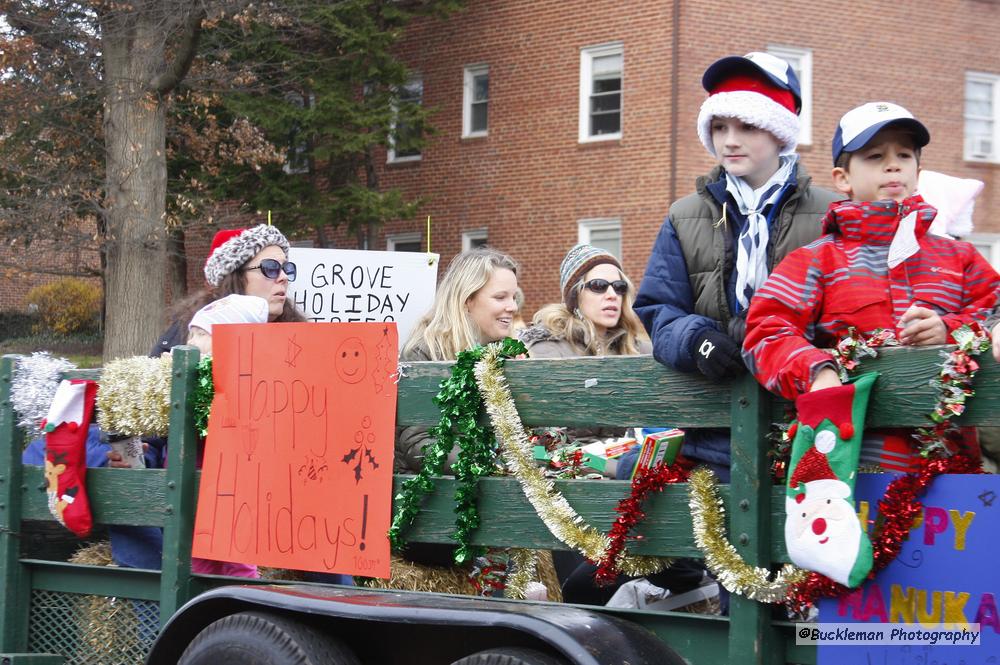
530,180
24,267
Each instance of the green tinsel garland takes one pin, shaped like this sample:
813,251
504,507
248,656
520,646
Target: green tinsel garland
204,392
459,402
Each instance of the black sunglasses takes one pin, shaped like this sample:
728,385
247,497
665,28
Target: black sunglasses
601,285
271,269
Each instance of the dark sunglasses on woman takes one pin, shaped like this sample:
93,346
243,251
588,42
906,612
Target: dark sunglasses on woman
271,268
599,286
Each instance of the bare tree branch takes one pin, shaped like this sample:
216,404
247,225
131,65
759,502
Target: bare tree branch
187,49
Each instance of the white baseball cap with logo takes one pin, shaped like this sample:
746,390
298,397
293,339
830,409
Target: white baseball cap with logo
860,124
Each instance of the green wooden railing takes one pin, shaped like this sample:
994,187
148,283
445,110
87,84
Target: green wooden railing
628,391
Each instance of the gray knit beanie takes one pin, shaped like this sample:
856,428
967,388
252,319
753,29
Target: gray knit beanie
231,248
578,263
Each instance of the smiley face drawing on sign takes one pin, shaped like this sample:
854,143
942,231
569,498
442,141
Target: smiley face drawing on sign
351,360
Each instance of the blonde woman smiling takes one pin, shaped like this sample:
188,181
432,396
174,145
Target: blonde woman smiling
476,303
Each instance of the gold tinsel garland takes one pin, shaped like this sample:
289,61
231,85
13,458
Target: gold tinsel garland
721,558
553,509
525,565
134,396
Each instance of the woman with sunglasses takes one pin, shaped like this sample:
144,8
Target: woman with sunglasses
247,262
595,317
252,262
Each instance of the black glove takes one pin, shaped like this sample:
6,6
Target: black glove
717,355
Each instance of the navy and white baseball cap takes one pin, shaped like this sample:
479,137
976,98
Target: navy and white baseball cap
860,124
779,72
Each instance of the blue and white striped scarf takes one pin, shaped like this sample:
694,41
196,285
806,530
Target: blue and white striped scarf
755,205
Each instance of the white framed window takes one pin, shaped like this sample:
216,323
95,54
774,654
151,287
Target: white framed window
474,238
603,233
601,77
475,101
404,132
306,244
801,62
404,242
988,245
982,117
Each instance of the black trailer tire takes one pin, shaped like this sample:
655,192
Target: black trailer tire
510,656
259,638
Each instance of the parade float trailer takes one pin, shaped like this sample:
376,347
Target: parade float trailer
47,604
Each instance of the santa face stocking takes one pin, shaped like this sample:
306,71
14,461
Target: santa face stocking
66,454
822,530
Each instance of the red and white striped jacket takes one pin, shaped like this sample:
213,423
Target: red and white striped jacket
843,280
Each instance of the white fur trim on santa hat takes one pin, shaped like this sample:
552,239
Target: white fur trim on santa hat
752,108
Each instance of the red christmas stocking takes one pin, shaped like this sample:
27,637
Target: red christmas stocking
66,454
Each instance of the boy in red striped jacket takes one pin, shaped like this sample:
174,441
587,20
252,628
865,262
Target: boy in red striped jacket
875,267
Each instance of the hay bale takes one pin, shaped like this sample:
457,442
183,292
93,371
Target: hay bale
94,554
108,626
281,574
408,576
546,570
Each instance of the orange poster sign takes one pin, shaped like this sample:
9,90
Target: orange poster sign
298,460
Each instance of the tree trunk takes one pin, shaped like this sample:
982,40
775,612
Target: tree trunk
135,130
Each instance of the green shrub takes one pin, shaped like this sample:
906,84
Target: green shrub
67,306
16,324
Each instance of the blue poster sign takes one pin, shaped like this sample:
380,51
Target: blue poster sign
947,576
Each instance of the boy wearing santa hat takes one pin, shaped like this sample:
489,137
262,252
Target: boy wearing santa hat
718,244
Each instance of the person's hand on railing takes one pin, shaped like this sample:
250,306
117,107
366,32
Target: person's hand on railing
825,378
116,461
717,355
922,327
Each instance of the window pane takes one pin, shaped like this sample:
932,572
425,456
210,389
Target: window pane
607,64
983,128
608,123
612,102
480,88
408,133
414,246
607,85
978,99
478,120
411,92
609,240
978,90
477,242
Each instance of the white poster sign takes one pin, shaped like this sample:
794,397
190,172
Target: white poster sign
342,285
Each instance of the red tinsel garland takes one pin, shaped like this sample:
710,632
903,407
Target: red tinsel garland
898,509
629,509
